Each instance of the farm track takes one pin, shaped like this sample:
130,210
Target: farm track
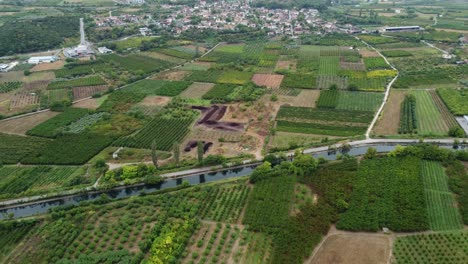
446,115
387,90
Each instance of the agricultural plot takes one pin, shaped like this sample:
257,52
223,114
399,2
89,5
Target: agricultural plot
429,119
48,66
196,66
338,130
297,80
390,121
197,90
448,118
396,53
308,59
359,101
165,132
219,91
24,99
83,123
13,148
135,63
164,57
52,127
171,75
58,95
325,81
225,204
11,235
446,247
36,85
235,77
178,53
352,66
397,193
409,118
268,80
210,76
69,149
87,81
81,70
376,84
27,181
375,63
455,100
9,86
286,140
21,125
329,65
440,202
306,98
304,113
87,91
215,135
328,99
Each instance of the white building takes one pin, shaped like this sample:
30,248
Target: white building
104,50
42,59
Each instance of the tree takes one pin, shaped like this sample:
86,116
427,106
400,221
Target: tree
176,150
200,151
345,148
154,154
306,164
352,87
456,132
333,87
371,153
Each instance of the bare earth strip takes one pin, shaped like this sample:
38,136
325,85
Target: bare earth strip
268,80
390,121
90,103
21,125
197,90
48,66
164,57
354,248
171,75
155,101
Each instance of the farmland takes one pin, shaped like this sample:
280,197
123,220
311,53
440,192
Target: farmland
455,100
14,148
165,132
135,63
446,247
87,81
53,126
429,119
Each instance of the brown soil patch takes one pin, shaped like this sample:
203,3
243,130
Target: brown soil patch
21,125
200,48
197,90
174,75
354,249
268,80
390,120
286,65
368,53
36,85
155,101
24,99
87,91
90,103
12,76
354,66
307,98
164,57
48,66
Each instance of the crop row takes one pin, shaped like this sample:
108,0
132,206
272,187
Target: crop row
52,127
165,132
83,123
343,130
225,204
408,119
291,113
86,81
455,100
373,63
9,86
136,63
13,148
298,80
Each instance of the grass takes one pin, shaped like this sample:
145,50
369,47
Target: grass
235,77
359,101
429,119
440,202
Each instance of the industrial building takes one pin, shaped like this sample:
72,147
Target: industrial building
406,28
42,59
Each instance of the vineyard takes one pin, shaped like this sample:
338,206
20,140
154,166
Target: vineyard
13,148
338,130
447,247
408,119
443,215
88,91
9,86
135,63
27,181
269,204
374,63
398,197
165,132
86,81
328,99
210,76
225,204
305,113
58,95
455,100
329,65
69,149
11,234
219,91
359,101
81,70
52,127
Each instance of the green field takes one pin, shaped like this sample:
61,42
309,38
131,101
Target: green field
235,77
54,126
13,148
443,215
86,81
455,100
329,65
429,118
359,101
28,181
